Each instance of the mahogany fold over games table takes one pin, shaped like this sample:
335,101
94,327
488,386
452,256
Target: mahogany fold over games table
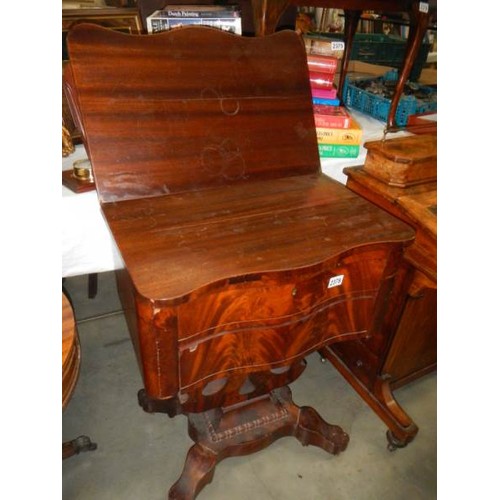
241,256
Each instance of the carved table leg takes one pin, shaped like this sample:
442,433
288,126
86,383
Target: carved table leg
198,471
402,429
246,428
351,25
419,20
267,14
312,429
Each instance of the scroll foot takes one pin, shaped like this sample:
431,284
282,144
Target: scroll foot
81,443
198,471
312,429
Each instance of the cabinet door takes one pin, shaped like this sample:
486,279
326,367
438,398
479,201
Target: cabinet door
413,352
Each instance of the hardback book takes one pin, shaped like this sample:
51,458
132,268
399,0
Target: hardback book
325,102
202,11
338,150
322,64
323,45
319,80
350,136
325,94
160,20
331,116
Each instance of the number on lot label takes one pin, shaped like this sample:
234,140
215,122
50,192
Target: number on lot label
423,7
335,281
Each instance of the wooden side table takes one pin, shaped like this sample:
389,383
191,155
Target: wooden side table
70,371
412,352
241,257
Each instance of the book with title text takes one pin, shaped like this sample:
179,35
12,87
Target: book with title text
333,135
342,141
224,17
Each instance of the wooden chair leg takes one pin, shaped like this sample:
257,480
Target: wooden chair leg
92,285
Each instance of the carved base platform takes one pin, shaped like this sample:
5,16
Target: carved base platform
247,428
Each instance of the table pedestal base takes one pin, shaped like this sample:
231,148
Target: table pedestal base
247,428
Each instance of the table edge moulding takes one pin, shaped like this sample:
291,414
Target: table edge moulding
241,257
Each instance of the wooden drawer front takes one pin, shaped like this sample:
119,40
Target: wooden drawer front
282,296
256,348
254,326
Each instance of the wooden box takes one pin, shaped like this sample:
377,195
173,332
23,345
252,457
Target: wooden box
402,162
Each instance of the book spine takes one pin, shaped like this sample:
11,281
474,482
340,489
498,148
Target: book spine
326,102
157,25
324,94
321,109
176,13
322,64
322,81
332,121
338,151
349,136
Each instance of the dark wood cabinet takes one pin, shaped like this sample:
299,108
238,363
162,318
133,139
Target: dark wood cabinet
376,369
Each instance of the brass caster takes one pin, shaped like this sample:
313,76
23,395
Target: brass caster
394,443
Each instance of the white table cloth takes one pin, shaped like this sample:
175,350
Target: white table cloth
87,244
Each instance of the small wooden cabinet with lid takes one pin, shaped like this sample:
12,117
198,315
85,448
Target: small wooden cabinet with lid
399,176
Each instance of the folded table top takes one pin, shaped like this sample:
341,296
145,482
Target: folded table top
189,109
175,244
204,152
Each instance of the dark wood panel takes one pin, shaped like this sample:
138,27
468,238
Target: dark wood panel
157,128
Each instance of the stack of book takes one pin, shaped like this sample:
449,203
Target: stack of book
224,17
322,71
338,134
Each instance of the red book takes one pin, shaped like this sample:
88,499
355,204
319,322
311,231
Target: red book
324,94
331,116
320,80
322,64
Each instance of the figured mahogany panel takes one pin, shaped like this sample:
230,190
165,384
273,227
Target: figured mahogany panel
281,297
254,347
236,109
